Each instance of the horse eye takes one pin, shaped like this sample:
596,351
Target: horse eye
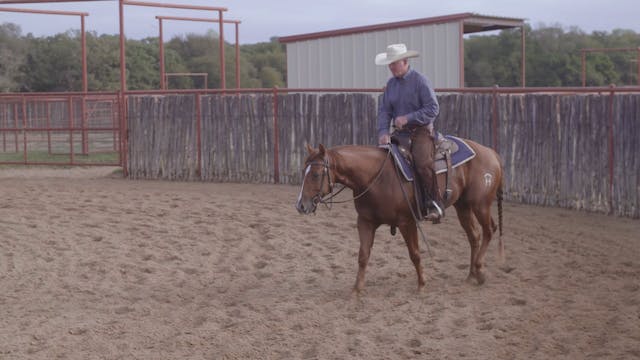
315,176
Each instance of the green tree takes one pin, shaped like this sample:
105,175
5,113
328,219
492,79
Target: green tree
12,53
52,64
143,64
103,62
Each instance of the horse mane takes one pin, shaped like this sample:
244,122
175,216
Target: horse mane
351,162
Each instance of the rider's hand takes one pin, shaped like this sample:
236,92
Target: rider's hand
401,121
384,139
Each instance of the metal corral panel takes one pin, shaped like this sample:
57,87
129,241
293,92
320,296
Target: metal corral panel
346,61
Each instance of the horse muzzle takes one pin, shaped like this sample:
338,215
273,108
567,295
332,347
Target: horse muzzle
306,207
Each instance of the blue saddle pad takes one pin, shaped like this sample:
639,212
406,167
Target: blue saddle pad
461,156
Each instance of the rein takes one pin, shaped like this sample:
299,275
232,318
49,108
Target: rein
328,200
413,213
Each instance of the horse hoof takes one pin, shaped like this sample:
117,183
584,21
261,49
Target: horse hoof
481,278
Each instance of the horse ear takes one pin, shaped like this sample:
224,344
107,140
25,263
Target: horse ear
309,149
321,149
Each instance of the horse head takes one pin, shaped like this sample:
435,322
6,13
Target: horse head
317,180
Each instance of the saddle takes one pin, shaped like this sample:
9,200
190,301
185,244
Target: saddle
451,152
446,146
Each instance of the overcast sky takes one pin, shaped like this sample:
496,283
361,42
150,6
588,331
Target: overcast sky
262,19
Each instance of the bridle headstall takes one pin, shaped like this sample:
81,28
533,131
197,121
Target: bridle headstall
327,199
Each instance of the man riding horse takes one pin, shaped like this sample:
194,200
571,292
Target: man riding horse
410,104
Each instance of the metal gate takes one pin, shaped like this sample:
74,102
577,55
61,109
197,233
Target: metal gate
61,129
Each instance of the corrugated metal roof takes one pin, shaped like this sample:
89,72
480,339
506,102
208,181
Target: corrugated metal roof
472,23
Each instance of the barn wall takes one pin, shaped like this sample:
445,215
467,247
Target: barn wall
346,61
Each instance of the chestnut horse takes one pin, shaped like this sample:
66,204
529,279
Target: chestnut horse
380,197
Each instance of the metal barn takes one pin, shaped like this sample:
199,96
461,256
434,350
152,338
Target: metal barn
344,58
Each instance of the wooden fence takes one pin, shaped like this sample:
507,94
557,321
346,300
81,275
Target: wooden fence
557,149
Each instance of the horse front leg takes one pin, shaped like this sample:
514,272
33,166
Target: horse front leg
366,232
410,235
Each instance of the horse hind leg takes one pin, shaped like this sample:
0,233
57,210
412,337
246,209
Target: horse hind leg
483,214
465,216
410,235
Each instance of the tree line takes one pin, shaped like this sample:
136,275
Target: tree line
553,58
53,63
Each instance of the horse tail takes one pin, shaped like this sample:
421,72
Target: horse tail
500,196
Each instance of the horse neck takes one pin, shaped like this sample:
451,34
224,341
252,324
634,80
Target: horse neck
355,166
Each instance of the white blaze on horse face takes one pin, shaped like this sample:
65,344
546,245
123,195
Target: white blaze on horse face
488,179
306,172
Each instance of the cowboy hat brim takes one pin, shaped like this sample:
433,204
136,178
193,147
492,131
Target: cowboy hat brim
383,59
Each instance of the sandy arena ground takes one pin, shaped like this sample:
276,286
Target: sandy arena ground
93,266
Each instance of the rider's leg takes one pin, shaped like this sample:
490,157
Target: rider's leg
423,152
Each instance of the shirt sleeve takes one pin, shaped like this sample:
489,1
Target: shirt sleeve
429,107
385,113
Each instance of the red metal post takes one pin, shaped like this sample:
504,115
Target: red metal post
174,6
114,124
461,54
85,87
276,138
49,127
494,118
523,65
238,57
584,67
199,135
15,122
85,132
223,81
70,105
83,37
24,127
123,68
163,84
124,135
610,147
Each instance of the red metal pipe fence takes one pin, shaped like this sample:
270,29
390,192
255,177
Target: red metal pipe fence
163,80
583,60
61,129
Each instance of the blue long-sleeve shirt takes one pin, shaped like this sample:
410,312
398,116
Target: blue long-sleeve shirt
410,95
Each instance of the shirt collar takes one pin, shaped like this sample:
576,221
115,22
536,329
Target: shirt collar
406,74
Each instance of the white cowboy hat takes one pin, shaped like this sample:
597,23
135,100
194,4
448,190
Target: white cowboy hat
395,52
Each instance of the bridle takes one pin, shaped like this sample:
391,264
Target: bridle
326,173
327,199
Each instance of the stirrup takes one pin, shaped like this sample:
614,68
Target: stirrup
435,213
